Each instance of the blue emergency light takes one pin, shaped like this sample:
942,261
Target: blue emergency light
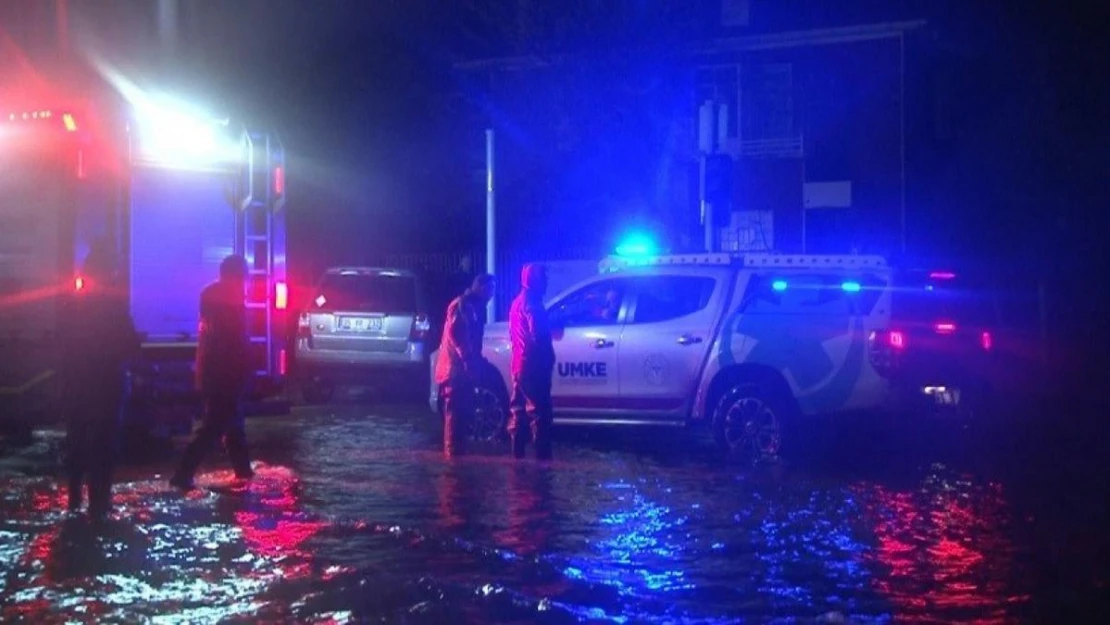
779,285
851,287
636,245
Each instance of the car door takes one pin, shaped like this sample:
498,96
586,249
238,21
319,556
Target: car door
588,324
665,341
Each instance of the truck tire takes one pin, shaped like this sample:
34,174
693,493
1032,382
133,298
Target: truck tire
491,412
750,420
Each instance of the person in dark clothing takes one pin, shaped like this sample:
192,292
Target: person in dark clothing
459,362
533,363
99,339
222,373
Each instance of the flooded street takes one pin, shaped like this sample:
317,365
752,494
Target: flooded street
355,517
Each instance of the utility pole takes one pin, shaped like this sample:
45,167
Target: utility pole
712,128
491,223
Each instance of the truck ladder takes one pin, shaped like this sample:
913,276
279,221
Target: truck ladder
263,193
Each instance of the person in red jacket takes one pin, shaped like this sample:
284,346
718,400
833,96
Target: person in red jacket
459,362
99,339
222,373
533,363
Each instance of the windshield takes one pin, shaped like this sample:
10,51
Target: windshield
378,293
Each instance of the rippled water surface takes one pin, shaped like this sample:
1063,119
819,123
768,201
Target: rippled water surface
354,515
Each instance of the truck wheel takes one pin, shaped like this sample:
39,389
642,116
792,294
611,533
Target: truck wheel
318,391
748,421
491,413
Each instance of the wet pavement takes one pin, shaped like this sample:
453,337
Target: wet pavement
355,517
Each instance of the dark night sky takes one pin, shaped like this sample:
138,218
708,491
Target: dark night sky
362,94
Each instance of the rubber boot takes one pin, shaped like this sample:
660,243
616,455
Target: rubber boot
519,444
541,435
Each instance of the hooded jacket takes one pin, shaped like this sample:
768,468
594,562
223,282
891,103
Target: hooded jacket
461,345
530,329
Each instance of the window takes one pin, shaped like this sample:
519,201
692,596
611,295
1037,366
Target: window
793,293
369,293
662,298
768,125
597,304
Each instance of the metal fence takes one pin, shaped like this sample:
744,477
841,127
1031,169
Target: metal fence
437,267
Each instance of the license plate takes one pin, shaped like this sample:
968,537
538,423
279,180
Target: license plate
943,395
359,324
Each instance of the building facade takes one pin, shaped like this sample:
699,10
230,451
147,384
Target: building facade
808,135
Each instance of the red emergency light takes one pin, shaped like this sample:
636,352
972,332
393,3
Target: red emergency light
281,296
283,362
279,181
986,340
945,327
45,115
78,283
942,275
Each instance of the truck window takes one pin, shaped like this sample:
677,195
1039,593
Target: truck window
804,294
596,304
662,298
379,293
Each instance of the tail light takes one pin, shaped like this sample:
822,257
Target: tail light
942,275
421,325
986,340
281,296
945,327
886,348
896,339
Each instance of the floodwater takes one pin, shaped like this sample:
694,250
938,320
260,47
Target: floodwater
355,517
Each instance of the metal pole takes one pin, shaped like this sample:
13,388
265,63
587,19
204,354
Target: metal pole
902,129
706,208
491,230
805,209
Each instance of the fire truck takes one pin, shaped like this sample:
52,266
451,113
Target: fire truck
174,192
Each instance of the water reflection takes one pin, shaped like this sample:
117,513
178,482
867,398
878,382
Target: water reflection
943,548
273,526
397,535
529,510
162,553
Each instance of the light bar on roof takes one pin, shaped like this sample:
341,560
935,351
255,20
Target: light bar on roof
174,135
851,286
778,261
809,261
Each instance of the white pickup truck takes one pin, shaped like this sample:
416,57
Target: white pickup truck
746,344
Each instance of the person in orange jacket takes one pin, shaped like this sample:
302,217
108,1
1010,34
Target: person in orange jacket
99,339
222,374
533,363
459,362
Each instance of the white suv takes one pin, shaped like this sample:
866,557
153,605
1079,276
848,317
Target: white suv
746,344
